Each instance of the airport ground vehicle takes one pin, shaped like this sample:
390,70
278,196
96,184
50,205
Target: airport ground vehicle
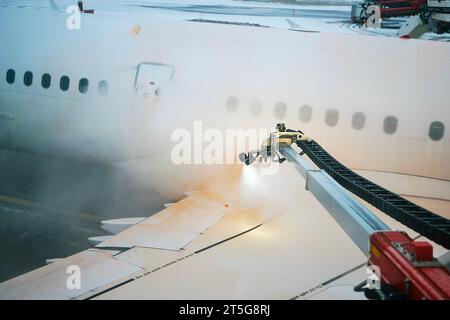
435,13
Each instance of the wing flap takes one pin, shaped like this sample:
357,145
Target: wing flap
97,268
174,227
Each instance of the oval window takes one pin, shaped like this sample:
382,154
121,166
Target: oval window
83,85
10,76
28,78
255,107
103,87
46,81
331,117
305,113
390,125
358,120
280,110
232,104
64,83
436,131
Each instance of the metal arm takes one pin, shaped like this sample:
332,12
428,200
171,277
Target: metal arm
354,218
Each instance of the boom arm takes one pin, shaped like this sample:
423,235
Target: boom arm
408,268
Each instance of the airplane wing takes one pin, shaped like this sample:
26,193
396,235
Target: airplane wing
54,6
293,24
158,239
210,245
260,237
295,27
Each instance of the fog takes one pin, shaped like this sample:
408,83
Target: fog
110,157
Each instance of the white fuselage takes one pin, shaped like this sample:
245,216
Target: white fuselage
226,77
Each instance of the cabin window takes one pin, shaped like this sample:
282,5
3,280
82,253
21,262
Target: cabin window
358,120
28,78
46,81
232,104
255,107
103,87
436,131
10,76
305,114
331,117
83,85
64,83
390,125
280,110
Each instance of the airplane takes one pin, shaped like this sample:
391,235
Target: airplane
115,90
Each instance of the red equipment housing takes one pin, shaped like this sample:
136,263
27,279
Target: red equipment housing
409,266
399,8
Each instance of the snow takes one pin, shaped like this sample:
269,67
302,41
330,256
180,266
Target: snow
310,17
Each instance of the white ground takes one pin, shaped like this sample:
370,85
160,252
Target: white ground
175,10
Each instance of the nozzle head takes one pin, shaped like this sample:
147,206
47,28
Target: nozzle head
244,158
281,127
249,158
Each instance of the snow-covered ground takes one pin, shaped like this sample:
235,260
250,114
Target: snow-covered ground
305,16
